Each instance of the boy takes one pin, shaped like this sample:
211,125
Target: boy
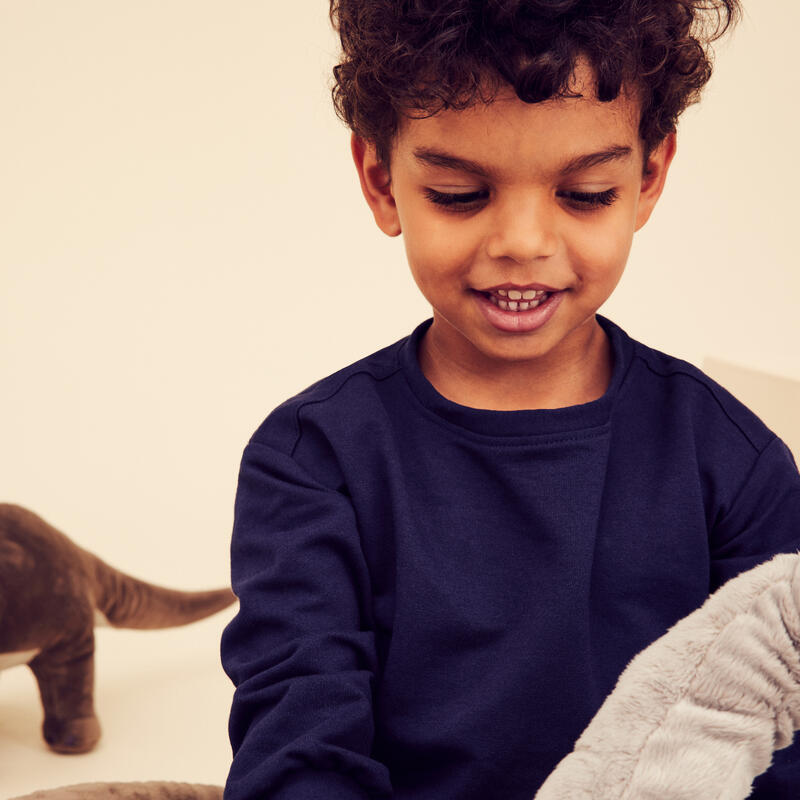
447,552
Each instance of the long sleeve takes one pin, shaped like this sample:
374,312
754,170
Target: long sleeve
763,519
300,651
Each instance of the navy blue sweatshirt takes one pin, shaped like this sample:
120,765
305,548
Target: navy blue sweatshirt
436,599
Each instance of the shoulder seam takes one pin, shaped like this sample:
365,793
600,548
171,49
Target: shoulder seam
713,394
740,489
333,393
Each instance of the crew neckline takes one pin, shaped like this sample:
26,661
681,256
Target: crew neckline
520,422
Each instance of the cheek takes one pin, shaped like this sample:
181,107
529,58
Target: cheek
600,250
435,248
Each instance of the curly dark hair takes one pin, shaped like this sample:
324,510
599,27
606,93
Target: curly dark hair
418,57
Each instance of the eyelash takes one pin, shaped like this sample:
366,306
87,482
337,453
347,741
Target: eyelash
469,201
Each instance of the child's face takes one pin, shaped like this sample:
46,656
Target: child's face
543,196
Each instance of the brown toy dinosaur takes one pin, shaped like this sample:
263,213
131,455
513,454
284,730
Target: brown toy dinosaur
156,790
52,594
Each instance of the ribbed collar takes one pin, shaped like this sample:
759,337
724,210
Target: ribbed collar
531,422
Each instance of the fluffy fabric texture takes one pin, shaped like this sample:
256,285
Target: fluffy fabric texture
699,713
156,790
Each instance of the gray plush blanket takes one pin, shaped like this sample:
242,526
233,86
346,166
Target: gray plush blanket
699,713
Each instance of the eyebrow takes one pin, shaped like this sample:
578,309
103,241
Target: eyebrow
438,158
617,152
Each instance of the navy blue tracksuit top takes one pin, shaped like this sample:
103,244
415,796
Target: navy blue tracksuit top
436,599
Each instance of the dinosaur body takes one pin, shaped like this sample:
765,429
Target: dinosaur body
52,594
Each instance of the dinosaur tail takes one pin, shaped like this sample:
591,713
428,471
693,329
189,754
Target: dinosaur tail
128,602
156,790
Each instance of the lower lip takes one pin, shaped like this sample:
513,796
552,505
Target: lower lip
518,321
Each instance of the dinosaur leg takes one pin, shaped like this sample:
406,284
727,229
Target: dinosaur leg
65,675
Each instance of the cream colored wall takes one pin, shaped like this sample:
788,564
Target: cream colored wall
184,245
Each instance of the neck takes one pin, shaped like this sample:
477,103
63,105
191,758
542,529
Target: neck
578,372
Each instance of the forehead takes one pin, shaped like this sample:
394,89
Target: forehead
508,134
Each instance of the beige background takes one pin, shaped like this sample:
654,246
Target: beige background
184,245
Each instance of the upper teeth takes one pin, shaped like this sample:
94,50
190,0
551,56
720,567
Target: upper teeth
515,294
513,305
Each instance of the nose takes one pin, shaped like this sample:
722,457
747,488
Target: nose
523,230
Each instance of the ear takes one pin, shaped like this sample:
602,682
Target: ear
376,184
654,177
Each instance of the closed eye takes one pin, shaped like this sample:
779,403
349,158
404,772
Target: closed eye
458,201
586,201
468,201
